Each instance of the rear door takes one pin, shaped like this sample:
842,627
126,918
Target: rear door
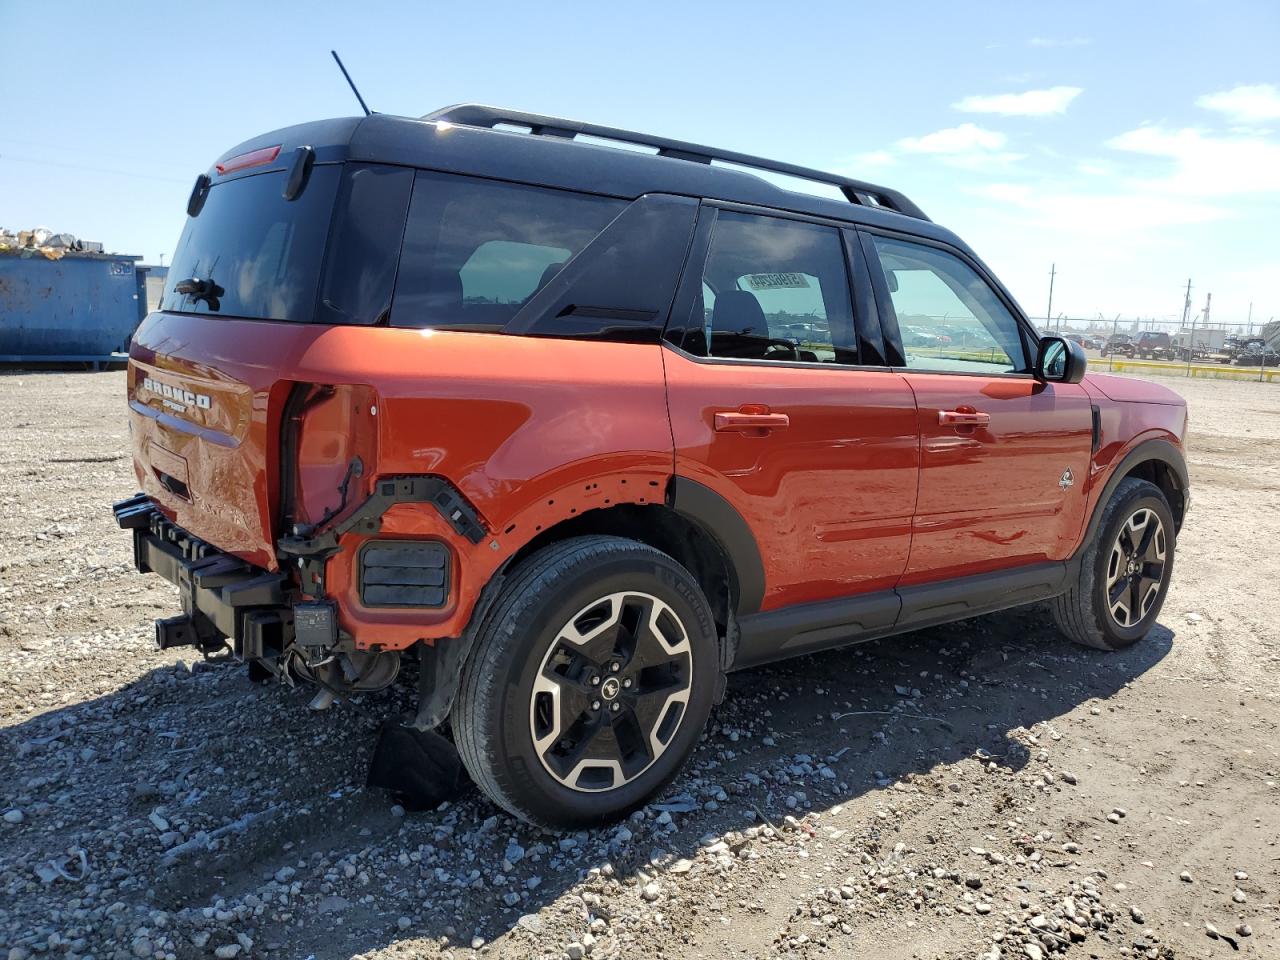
780,404
1004,457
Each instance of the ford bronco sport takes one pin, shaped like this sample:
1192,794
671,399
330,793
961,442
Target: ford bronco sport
578,430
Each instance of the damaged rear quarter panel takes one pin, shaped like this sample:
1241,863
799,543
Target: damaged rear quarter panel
532,431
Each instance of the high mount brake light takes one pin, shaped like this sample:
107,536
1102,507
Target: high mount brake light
254,158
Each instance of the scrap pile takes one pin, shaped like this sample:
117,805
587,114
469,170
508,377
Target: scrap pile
44,242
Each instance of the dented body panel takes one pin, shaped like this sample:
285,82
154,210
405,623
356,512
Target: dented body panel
530,431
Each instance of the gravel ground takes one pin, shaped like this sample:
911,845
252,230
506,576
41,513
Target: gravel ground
978,790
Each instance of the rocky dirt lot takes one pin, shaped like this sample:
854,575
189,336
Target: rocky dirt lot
980,790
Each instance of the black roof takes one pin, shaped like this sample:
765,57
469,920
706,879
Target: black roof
462,140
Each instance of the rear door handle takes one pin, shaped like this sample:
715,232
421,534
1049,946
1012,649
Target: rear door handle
749,422
963,418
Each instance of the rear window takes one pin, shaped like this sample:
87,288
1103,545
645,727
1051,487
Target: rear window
258,254
475,251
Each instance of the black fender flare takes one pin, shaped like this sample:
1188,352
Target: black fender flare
1153,449
730,530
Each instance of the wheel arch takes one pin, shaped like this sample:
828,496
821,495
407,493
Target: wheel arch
1172,484
666,529
689,522
1157,461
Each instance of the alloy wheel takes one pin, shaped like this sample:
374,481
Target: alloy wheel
611,691
1136,567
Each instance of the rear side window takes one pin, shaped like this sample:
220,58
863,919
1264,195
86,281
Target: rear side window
620,286
475,251
253,253
367,228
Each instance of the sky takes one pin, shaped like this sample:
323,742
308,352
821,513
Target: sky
1130,146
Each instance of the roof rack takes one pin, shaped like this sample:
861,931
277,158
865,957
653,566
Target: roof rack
855,191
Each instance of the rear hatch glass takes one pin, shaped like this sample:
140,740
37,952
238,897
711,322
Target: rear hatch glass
258,254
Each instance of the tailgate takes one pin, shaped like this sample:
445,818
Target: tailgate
205,420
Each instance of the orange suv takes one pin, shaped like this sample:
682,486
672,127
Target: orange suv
578,430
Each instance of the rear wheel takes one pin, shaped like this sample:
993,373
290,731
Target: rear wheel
1124,574
592,677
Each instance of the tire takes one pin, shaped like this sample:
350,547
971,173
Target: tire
1085,612
596,742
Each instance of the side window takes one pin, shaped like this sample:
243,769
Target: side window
476,250
619,287
774,289
949,318
364,244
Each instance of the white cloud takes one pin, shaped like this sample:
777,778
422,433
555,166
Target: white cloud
1245,104
1032,103
966,138
1162,189
967,146
1059,41
1203,172
1205,165
1067,211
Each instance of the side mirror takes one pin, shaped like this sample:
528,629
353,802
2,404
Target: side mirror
1060,361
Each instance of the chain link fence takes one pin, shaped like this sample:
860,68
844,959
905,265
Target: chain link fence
1217,351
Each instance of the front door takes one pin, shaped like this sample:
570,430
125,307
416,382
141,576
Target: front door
1004,458
771,409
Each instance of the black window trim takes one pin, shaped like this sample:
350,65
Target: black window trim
889,319
650,325
677,327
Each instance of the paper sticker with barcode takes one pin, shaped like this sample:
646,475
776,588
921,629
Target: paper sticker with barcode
776,281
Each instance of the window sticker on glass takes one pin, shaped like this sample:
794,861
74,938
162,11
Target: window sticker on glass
775,281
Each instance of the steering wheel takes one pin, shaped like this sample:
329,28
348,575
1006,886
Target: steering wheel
772,344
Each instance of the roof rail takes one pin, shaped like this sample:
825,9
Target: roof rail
855,191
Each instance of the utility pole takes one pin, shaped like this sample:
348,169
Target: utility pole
1250,320
1186,304
1208,299
1048,313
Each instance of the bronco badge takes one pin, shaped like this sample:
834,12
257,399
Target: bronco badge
1067,479
176,397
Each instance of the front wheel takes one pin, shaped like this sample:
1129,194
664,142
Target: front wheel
1124,573
592,677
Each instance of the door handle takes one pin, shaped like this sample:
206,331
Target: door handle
750,422
963,418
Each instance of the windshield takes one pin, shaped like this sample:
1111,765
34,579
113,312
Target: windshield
252,253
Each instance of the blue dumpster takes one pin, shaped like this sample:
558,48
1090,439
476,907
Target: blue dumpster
82,307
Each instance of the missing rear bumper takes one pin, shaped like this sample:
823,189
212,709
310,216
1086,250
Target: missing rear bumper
221,595
261,615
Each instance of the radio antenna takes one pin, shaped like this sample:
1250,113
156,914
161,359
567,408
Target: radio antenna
351,83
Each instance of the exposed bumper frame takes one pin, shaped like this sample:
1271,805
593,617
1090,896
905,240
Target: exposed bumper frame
243,603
